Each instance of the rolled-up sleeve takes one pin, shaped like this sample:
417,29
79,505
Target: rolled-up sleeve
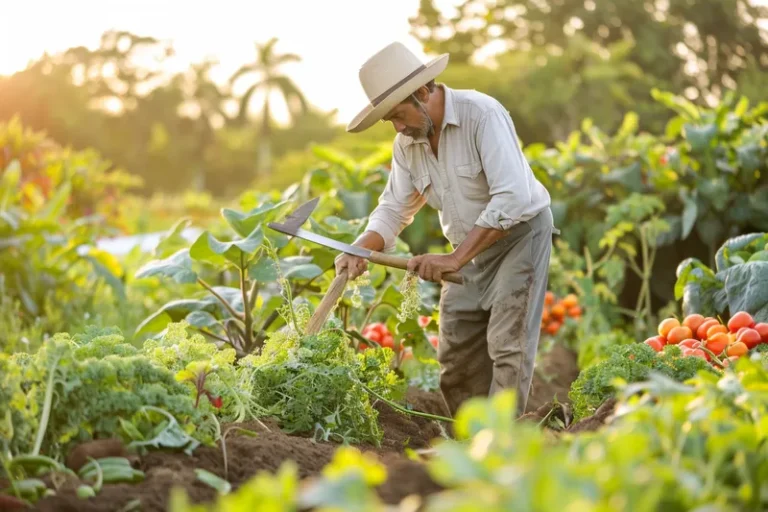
505,168
398,203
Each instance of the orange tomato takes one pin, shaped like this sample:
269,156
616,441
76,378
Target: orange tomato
553,327
701,332
549,298
717,343
750,337
558,311
678,334
545,315
737,349
667,325
574,311
739,320
693,321
570,301
716,329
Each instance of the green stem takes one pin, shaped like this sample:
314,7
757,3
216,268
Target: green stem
226,304
248,318
403,409
47,404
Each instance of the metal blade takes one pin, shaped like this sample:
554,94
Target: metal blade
322,240
300,215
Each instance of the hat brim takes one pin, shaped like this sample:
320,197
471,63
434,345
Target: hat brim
370,114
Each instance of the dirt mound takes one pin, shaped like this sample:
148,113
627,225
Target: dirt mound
553,377
247,455
597,420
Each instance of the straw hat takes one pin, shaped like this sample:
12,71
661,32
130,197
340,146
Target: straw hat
389,77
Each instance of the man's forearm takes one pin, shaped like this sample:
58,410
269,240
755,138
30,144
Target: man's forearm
478,240
370,240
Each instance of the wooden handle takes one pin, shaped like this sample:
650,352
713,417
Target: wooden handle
335,290
402,264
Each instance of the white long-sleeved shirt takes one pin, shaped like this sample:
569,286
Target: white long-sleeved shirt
480,176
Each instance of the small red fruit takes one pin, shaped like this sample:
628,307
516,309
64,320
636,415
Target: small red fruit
689,343
695,352
739,320
655,343
701,332
424,321
750,337
762,329
434,340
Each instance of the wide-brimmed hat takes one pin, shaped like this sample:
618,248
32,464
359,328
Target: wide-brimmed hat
389,77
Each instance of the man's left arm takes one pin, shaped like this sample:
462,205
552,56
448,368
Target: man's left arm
509,187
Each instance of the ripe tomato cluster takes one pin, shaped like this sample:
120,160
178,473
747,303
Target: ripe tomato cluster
700,336
556,310
378,332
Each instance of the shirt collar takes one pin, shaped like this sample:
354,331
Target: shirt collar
449,116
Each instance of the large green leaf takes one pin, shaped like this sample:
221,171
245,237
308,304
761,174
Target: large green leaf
747,289
750,157
631,177
690,213
263,270
209,249
172,311
735,244
177,266
245,223
700,137
234,296
299,267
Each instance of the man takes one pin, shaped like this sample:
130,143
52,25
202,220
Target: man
457,151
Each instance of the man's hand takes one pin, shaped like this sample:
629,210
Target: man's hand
431,267
355,265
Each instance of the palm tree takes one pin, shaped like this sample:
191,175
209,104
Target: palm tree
267,66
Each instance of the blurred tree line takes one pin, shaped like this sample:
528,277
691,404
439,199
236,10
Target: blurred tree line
561,61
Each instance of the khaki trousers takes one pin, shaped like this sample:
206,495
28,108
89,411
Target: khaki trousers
489,326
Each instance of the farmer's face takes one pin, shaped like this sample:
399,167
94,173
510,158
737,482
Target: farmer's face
409,120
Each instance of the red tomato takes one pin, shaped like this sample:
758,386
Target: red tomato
654,343
388,341
690,343
750,337
424,321
434,340
373,336
762,329
695,352
739,320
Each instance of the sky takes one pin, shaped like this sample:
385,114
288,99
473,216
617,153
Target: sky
331,52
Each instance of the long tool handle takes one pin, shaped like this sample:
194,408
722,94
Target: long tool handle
402,263
335,290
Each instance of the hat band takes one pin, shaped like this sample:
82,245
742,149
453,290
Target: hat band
378,99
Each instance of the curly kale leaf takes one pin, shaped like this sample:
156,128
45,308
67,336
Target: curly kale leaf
630,363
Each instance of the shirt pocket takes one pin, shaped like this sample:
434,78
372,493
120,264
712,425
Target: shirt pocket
471,180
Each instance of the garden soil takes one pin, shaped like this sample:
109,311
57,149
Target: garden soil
248,455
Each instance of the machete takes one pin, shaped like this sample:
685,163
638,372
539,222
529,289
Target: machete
292,226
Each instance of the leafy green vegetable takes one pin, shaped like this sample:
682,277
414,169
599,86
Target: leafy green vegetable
630,363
